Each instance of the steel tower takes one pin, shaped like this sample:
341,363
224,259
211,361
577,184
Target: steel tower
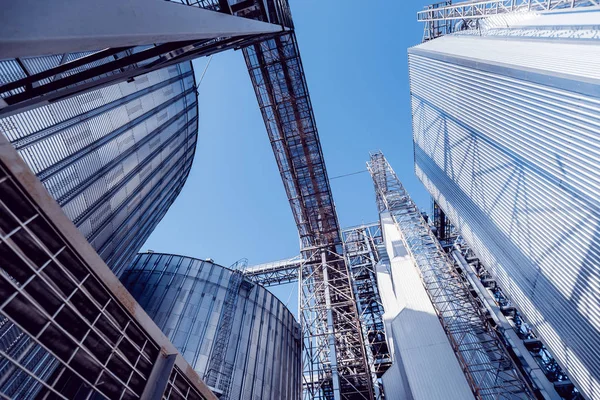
138,36
490,371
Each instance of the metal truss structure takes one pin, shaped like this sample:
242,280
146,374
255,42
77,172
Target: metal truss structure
334,359
361,245
360,250
27,81
444,18
275,272
488,367
530,354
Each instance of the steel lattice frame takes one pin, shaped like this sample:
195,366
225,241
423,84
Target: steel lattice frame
276,272
489,369
442,18
360,248
334,359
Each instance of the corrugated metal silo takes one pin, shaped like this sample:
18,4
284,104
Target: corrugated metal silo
506,124
236,334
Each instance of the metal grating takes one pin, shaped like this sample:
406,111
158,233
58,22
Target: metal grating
490,371
56,312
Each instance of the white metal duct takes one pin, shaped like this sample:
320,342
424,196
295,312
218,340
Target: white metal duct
506,141
421,351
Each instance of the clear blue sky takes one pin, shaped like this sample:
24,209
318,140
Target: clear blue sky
234,204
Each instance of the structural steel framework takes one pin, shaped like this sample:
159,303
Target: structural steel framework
361,245
361,252
489,369
528,351
275,272
334,359
444,17
25,82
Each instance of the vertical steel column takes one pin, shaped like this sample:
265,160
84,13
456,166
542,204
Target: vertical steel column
159,377
330,329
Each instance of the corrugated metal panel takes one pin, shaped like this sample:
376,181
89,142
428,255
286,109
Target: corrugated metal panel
421,351
92,152
553,58
506,141
185,297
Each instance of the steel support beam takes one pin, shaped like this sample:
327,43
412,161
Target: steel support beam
276,272
33,28
113,41
159,377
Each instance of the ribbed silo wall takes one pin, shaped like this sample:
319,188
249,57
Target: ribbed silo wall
187,299
507,141
114,158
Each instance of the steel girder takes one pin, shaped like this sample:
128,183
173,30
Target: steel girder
361,244
276,272
361,252
488,367
334,359
330,318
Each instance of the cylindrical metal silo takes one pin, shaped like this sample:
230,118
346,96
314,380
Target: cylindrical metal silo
235,333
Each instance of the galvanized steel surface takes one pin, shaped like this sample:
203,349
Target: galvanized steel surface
506,141
185,296
114,158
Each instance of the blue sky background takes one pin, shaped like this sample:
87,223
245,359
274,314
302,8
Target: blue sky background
234,204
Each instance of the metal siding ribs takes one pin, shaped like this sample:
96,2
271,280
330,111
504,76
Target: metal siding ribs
490,371
334,359
73,314
513,161
84,71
